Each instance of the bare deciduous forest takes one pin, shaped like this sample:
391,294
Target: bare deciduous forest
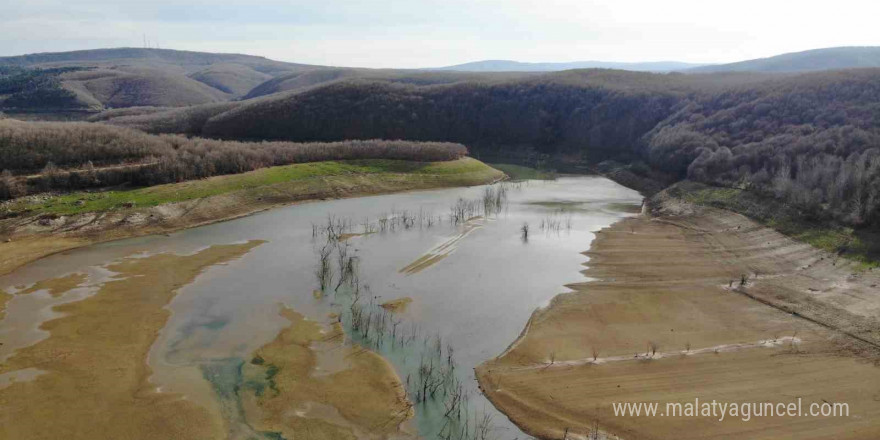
810,140
63,156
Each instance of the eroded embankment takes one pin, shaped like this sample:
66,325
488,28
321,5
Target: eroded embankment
31,236
685,282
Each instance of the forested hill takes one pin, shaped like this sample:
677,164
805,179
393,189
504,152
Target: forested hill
812,139
100,79
94,80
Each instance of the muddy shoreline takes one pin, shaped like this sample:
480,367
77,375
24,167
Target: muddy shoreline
28,239
734,292
91,379
671,279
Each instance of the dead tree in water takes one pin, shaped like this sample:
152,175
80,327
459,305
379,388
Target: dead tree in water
325,270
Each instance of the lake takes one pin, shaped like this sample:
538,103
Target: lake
460,291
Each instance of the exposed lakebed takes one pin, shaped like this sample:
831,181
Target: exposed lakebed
456,293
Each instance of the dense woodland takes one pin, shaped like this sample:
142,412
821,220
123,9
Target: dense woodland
39,156
549,115
812,140
34,89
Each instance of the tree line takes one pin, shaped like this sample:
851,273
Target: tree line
41,156
810,140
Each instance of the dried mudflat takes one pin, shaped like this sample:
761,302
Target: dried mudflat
90,378
666,321
93,380
353,394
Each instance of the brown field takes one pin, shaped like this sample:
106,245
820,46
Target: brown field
668,322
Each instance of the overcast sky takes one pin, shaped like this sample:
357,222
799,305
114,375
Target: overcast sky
426,33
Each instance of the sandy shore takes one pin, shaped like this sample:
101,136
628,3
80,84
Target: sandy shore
668,321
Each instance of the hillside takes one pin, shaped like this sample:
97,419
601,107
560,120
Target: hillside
299,81
43,156
94,80
807,61
127,77
130,77
518,66
186,61
138,86
231,78
35,88
811,140
588,111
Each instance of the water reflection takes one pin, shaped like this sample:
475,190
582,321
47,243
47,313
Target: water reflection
472,280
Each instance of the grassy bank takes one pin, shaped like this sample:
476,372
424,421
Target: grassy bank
259,182
858,245
519,172
33,227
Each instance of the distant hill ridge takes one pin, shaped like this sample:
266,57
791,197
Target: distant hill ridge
179,57
130,77
831,58
518,66
117,78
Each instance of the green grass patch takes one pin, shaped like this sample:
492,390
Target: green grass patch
460,171
519,172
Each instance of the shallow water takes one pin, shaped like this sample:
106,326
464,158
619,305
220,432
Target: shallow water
476,297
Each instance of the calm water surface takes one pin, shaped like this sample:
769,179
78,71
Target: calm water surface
475,300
